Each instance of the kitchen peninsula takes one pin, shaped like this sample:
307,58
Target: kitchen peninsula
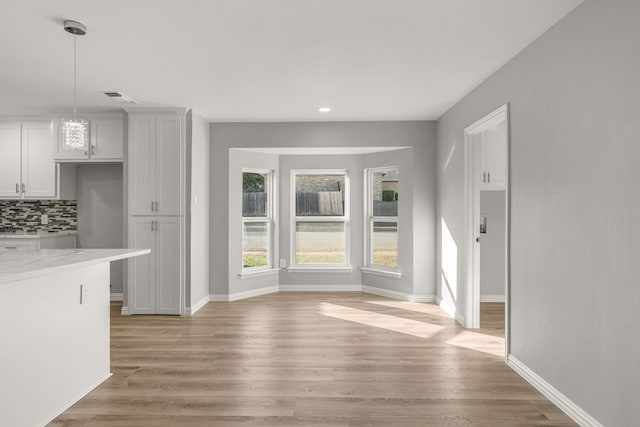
54,329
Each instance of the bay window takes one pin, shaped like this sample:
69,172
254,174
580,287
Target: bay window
257,220
320,218
382,218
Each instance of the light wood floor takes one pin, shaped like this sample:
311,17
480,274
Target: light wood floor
311,359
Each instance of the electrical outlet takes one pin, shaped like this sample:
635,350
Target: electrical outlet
84,294
44,219
283,263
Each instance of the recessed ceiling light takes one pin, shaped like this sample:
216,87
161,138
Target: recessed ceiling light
324,109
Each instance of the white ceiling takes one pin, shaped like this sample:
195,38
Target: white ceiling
264,60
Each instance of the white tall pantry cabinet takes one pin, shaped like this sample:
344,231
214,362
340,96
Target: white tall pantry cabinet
155,165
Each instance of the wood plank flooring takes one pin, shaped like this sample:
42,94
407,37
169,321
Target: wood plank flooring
311,359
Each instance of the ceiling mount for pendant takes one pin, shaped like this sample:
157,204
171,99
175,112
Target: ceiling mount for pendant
76,28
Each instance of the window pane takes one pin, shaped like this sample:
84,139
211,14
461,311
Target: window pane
385,193
384,244
320,243
255,244
254,194
320,195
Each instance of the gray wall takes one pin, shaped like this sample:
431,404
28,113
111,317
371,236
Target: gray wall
492,248
575,238
99,192
419,135
198,218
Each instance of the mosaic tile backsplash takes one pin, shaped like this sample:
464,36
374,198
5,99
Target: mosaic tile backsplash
25,215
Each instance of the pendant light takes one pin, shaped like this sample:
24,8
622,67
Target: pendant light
75,131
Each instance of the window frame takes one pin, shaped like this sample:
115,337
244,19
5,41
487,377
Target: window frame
338,219
269,219
370,219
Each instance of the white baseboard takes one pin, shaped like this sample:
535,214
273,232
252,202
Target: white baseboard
124,311
75,400
398,295
560,400
243,295
190,311
492,298
117,296
451,310
320,288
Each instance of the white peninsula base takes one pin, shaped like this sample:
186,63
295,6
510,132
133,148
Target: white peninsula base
54,331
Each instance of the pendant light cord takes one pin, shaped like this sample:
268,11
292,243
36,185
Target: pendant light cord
75,87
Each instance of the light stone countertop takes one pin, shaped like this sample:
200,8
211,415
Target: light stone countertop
43,235
19,265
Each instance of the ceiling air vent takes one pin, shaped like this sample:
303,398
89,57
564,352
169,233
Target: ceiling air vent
121,97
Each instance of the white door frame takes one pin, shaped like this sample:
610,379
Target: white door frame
472,209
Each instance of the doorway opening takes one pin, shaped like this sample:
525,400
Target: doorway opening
487,219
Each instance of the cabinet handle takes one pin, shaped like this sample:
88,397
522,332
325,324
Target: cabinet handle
152,205
11,247
17,188
24,188
489,177
152,225
157,206
157,228
484,177
93,149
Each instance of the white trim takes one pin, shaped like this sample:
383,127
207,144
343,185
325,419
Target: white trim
319,269
492,298
190,311
236,296
380,272
218,298
74,400
320,288
398,295
569,407
124,311
117,296
451,310
472,217
258,273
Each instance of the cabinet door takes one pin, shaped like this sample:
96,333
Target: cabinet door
38,168
168,265
141,164
10,160
142,269
61,151
106,139
496,138
168,164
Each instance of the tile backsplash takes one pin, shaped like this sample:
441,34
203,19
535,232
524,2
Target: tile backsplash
25,215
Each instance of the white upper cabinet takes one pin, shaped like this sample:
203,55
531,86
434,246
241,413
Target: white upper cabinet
38,168
493,157
27,170
154,159
106,136
10,143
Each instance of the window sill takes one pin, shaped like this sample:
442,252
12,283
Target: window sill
258,273
319,270
379,272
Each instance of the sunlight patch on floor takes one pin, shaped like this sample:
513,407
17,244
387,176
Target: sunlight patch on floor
479,342
418,307
382,321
